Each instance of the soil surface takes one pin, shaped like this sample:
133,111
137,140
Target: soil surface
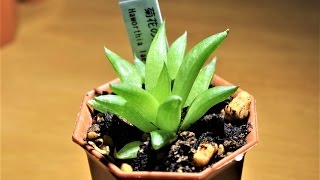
212,128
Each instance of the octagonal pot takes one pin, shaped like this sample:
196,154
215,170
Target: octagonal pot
227,168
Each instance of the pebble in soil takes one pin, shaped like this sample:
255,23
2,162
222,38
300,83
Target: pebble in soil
179,158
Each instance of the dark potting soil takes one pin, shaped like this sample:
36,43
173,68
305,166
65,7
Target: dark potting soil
177,157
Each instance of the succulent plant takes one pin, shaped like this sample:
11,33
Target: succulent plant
172,81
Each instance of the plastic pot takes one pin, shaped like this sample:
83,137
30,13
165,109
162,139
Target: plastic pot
8,21
229,167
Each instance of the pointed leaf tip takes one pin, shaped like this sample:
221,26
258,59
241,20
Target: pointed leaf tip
125,70
176,54
156,58
97,106
140,66
163,85
160,138
169,114
227,31
129,151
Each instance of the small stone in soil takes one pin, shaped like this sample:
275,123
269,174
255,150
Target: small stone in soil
94,128
216,109
180,155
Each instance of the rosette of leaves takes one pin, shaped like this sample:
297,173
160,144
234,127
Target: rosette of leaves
172,82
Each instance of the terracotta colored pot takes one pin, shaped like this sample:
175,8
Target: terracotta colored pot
8,20
229,167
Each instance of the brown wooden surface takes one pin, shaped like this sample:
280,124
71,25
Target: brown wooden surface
57,55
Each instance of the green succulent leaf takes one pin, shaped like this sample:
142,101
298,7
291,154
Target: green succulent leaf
122,108
176,54
169,114
126,71
160,138
98,106
202,81
129,151
204,101
139,98
140,66
156,58
163,90
193,62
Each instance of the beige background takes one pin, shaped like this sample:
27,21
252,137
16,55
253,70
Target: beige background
272,52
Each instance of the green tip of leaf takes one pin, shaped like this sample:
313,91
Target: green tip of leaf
215,59
107,51
169,114
125,70
176,55
140,66
160,138
97,106
129,151
156,58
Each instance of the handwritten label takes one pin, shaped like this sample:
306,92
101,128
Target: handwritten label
142,19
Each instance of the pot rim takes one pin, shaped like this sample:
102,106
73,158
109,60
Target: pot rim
84,120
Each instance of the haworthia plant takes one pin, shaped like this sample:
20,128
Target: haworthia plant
172,81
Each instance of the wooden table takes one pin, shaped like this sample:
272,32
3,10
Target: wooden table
57,55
